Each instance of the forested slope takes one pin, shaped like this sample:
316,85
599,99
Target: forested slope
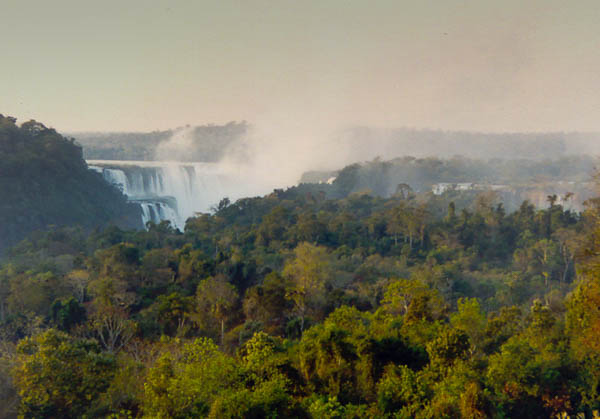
44,181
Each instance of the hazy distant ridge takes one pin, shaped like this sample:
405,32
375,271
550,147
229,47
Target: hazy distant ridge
368,143
207,143
210,143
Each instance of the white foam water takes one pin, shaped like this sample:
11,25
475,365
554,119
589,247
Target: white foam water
171,191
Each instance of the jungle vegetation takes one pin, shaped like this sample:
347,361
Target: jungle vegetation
299,305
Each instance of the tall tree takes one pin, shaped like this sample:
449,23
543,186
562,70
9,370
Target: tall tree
215,301
308,273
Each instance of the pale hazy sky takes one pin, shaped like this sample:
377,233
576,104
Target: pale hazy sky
142,65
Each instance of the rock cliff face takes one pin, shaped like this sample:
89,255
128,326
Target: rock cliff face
45,182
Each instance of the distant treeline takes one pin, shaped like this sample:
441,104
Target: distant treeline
518,176
208,143
369,143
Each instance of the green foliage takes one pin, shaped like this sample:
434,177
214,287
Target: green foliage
470,319
402,390
57,376
202,381
67,313
267,399
186,386
450,346
215,300
308,273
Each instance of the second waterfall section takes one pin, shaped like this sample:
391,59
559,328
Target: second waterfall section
170,191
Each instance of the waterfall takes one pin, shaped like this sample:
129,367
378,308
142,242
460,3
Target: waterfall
146,212
171,191
117,177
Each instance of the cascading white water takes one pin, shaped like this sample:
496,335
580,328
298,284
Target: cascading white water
171,191
146,212
158,211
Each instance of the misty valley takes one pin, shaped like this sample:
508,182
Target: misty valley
421,286
193,173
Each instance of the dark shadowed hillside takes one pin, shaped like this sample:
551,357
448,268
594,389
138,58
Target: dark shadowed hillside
44,181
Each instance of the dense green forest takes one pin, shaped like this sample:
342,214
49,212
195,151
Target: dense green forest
298,305
44,181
